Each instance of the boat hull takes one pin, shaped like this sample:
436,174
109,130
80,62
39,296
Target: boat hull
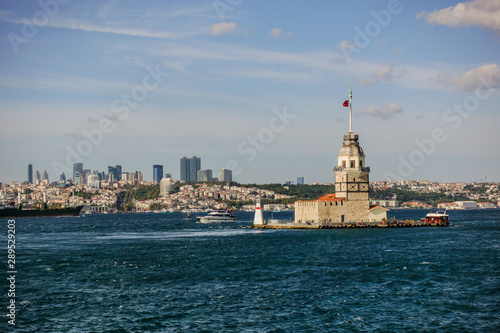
16,213
206,219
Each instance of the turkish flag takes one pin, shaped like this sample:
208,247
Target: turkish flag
346,103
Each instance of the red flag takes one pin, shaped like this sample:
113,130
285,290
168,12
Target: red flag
346,103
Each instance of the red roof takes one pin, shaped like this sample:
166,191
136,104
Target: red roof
327,197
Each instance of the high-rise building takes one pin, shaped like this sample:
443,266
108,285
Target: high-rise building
77,167
189,168
114,173
37,176
204,175
226,175
62,177
138,177
30,173
45,175
300,180
118,172
78,177
157,172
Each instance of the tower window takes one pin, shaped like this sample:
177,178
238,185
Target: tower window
343,164
353,163
360,164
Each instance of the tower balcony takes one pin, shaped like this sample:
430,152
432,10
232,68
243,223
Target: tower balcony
340,168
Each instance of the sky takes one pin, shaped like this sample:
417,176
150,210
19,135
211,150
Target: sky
253,86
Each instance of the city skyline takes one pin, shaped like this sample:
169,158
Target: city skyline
250,88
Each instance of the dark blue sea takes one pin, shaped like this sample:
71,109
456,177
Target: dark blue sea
167,273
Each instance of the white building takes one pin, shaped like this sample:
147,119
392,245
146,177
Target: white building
466,204
93,181
166,185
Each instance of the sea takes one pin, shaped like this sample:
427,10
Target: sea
165,272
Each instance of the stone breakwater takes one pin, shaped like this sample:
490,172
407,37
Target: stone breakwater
288,224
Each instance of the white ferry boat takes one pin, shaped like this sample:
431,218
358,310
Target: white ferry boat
437,218
217,216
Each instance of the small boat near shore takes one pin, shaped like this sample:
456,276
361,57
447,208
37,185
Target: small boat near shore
218,216
437,218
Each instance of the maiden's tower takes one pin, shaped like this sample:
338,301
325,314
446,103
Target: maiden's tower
350,204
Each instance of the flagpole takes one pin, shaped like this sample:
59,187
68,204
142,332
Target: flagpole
350,109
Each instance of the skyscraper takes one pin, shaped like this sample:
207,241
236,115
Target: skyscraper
114,173
204,175
300,180
118,172
189,168
77,167
37,176
157,172
226,175
30,173
45,175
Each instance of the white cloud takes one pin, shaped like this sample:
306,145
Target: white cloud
385,112
85,25
222,28
278,33
383,73
482,13
472,79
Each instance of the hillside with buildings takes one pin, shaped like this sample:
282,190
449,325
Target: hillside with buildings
182,196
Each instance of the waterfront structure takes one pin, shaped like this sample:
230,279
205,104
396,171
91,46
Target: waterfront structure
385,203
157,172
350,203
300,180
204,175
226,175
30,173
77,167
258,218
189,168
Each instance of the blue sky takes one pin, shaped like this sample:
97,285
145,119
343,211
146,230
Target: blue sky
254,86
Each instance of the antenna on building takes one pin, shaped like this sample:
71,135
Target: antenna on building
350,109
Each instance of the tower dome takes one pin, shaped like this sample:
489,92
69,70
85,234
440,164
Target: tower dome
351,154
351,146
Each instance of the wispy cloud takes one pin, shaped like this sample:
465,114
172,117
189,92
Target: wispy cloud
482,13
383,73
278,33
109,28
385,112
469,81
222,28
